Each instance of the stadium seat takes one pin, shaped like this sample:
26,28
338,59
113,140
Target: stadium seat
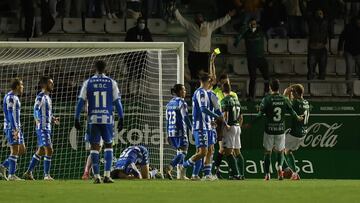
57,27
277,46
283,66
259,89
339,26
320,89
73,25
240,66
240,49
334,46
331,66
340,66
300,66
228,28
339,90
357,88
10,25
157,25
298,46
115,26
94,25
175,29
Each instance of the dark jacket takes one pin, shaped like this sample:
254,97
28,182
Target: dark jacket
318,33
254,42
351,37
136,35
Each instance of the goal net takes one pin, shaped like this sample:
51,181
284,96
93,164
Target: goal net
145,72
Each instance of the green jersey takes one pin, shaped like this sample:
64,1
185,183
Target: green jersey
299,128
274,106
220,94
231,105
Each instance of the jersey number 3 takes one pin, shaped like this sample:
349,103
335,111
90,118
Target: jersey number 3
277,112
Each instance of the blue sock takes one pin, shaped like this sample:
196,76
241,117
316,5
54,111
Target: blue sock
177,159
197,167
12,164
47,165
188,163
35,159
6,163
207,169
108,155
95,162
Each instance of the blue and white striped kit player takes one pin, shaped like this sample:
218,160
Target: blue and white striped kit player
11,107
43,114
102,94
130,157
215,108
178,123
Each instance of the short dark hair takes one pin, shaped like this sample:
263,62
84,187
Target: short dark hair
140,18
176,89
275,84
204,77
14,83
44,80
226,88
100,66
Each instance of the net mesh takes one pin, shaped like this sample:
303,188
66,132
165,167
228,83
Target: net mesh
144,78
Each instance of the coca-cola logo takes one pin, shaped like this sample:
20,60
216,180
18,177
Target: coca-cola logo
321,135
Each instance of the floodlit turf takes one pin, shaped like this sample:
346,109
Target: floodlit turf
253,191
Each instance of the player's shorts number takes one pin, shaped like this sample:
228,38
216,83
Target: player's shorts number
97,95
277,112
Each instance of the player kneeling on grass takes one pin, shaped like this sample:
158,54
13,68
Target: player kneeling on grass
43,119
230,106
126,165
12,129
178,122
298,128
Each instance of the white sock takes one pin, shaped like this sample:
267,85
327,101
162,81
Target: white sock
107,173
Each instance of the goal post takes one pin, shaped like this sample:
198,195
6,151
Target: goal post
145,72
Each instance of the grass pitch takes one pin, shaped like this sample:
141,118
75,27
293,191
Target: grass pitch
159,191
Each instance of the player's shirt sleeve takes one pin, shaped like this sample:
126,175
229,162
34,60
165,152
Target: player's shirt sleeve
225,105
11,108
289,107
37,107
215,102
83,91
201,97
116,92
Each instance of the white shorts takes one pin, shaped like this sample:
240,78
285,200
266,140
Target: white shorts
274,141
231,138
293,143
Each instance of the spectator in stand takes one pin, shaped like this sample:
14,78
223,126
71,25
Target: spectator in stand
273,19
296,24
254,42
76,5
199,40
111,7
317,51
134,8
349,46
139,33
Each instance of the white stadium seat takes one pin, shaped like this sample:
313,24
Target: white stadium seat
357,88
239,49
278,46
339,90
115,26
94,25
298,46
283,66
240,66
57,27
300,66
320,89
334,46
72,25
157,25
340,66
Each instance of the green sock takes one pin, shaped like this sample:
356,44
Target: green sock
240,162
267,161
280,159
232,165
291,161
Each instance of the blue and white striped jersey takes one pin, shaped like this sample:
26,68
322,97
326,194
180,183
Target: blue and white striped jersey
214,103
11,107
201,121
138,155
100,92
43,111
176,113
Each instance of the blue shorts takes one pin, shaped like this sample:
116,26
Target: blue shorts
178,142
201,138
98,131
43,138
11,140
212,137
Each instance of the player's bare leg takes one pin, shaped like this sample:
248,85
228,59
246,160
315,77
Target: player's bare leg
200,154
280,161
267,162
144,170
218,160
87,168
34,161
47,162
